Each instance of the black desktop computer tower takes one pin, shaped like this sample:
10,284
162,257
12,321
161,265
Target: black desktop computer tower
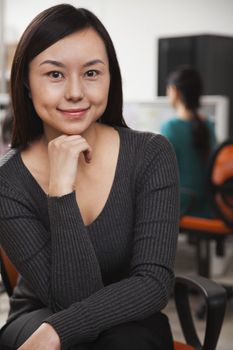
211,55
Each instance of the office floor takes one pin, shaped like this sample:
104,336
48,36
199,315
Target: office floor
185,264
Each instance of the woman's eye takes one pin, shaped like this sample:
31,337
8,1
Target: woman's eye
55,75
91,73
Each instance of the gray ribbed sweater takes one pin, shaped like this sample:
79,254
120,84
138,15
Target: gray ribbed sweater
117,269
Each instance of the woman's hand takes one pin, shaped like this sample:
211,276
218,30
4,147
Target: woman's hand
64,152
44,338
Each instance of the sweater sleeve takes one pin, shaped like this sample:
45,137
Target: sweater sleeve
73,259
151,276
40,256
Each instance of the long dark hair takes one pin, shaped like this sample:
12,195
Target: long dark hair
46,29
188,82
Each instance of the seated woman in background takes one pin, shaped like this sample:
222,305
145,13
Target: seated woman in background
192,136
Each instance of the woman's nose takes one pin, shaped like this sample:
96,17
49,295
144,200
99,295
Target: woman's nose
74,89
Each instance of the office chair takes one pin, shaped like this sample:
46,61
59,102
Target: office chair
214,296
220,199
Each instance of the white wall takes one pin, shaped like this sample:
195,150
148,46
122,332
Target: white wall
135,26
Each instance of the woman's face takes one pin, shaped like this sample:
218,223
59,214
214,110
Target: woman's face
69,83
172,94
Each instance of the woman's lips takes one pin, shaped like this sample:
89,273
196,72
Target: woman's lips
74,112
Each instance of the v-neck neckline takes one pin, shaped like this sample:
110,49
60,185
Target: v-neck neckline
39,189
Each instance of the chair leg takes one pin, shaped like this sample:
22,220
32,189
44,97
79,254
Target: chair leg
203,262
203,257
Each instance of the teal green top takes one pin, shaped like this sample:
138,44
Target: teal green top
191,167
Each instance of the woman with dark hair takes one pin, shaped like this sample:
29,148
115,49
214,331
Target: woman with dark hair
192,136
88,207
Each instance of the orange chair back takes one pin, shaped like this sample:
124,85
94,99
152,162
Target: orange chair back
221,182
223,165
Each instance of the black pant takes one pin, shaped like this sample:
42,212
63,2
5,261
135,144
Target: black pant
152,333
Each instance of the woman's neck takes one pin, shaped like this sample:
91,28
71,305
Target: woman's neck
182,112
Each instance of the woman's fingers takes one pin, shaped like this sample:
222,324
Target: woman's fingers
72,145
64,152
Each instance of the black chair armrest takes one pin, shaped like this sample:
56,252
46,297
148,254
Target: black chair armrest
215,300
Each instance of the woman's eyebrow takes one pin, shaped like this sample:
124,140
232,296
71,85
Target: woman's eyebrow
55,63
92,62
62,65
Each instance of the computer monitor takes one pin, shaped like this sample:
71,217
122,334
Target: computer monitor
148,115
